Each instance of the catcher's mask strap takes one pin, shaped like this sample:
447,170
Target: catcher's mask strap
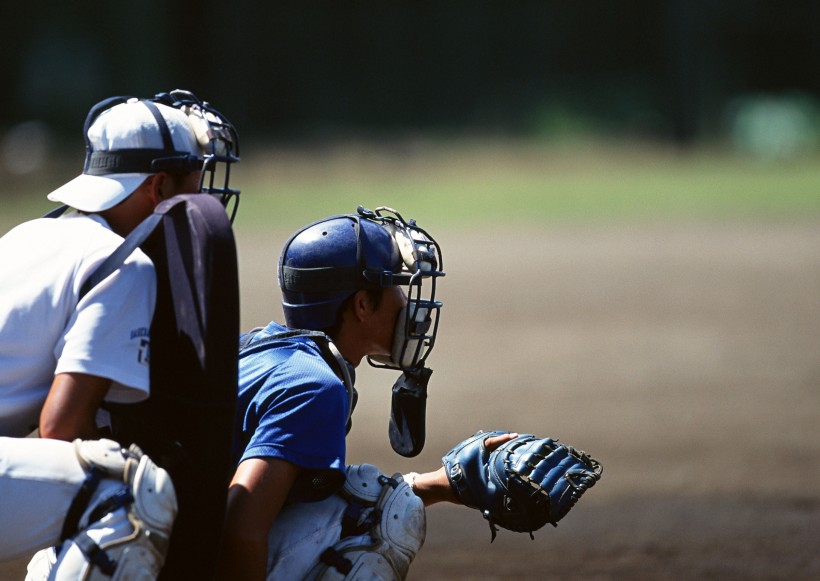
136,160
338,278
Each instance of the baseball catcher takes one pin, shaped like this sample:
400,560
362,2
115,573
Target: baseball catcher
523,484
355,287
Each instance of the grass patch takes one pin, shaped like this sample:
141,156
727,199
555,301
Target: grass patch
474,183
479,184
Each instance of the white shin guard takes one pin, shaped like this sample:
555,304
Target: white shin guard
125,531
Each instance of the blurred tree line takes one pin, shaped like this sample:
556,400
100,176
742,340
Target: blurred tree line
660,69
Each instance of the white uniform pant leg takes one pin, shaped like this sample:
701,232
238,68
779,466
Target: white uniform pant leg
38,480
300,533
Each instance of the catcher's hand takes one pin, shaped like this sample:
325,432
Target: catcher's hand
524,483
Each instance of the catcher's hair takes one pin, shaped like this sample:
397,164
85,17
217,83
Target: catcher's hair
178,177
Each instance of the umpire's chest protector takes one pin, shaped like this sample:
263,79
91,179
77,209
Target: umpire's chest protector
186,423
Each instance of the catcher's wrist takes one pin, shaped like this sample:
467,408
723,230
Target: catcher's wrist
410,479
431,487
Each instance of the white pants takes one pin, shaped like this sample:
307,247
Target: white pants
391,526
38,480
300,533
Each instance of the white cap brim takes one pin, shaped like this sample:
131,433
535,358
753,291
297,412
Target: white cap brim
89,193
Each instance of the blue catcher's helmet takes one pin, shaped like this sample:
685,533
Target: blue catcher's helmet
326,262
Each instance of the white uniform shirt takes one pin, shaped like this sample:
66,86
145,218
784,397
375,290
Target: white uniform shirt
44,330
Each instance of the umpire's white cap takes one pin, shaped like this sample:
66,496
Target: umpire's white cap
123,127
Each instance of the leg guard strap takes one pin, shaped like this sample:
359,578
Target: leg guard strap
95,555
333,558
118,500
80,502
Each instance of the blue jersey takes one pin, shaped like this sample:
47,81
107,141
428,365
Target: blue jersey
292,406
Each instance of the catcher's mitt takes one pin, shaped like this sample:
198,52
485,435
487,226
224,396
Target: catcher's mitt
524,483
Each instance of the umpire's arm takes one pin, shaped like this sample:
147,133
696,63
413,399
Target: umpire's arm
71,406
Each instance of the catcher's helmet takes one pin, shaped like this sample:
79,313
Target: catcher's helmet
213,147
327,261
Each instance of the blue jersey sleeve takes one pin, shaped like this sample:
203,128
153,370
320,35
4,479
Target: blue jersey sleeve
293,407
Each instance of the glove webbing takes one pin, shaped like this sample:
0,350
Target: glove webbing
521,485
578,481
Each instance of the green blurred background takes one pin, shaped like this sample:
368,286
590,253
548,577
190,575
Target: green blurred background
540,111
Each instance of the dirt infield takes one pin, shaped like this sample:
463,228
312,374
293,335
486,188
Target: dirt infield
684,357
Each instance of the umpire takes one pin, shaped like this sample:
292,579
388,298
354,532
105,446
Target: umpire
60,356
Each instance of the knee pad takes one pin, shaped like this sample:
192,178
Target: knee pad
356,560
115,547
107,456
41,564
123,534
154,498
395,526
403,523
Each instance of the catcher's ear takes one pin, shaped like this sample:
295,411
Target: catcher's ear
361,305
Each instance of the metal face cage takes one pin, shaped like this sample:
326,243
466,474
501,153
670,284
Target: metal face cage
418,325
219,140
